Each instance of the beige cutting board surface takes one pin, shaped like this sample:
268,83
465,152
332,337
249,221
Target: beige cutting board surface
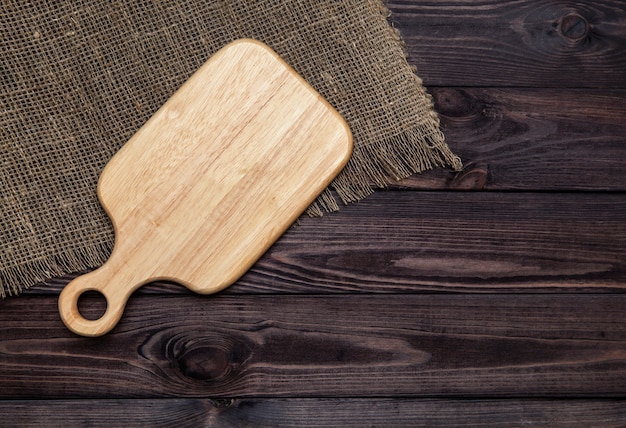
206,186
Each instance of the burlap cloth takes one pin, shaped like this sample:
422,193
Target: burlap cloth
79,78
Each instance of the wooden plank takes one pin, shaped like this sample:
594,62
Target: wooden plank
411,242
321,412
521,43
530,139
322,346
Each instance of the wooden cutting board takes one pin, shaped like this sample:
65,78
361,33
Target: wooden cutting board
206,186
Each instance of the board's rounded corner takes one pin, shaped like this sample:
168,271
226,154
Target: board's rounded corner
349,139
246,41
249,40
204,286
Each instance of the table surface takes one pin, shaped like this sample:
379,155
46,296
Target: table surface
491,297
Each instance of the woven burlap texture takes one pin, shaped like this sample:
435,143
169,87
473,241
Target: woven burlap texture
79,78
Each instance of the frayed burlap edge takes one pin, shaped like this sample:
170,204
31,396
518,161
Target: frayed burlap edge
26,275
398,157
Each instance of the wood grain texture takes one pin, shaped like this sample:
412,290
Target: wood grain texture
554,44
323,346
201,191
446,241
290,412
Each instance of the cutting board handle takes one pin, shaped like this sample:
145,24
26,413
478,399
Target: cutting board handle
99,281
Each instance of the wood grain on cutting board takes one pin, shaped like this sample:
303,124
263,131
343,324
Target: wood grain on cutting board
201,191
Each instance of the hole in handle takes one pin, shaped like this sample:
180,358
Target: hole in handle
92,305
90,309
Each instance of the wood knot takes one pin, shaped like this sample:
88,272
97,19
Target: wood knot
210,361
574,26
455,103
473,177
222,403
204,363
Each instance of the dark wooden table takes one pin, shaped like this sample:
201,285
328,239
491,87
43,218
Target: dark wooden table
493,297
